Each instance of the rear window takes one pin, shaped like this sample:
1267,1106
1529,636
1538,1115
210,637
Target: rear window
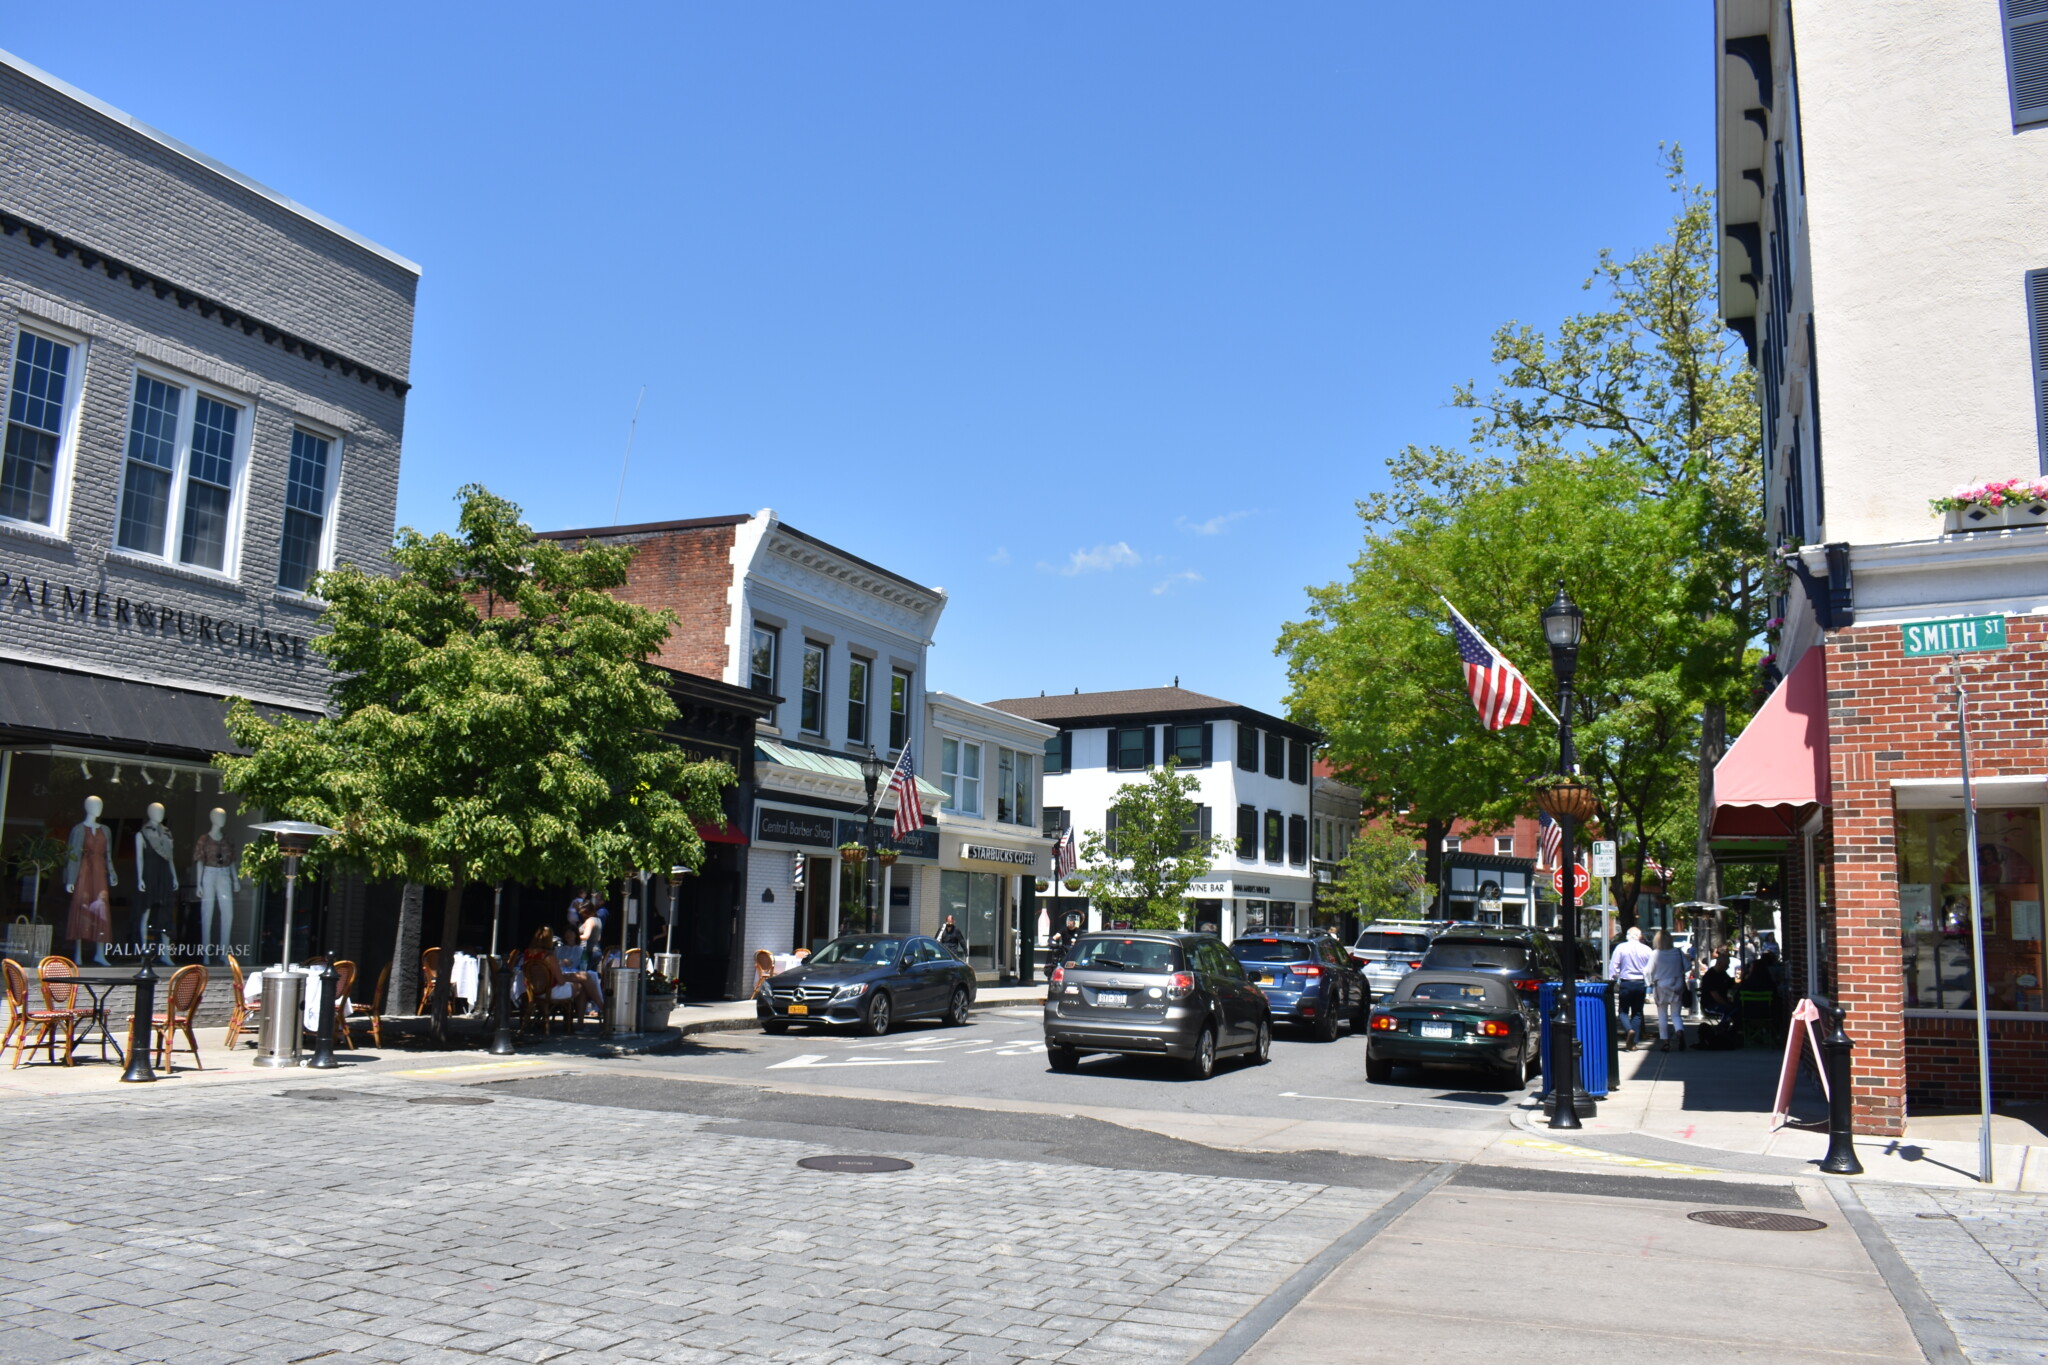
1450,992
1272,950
1387,941
1454,956
1126,955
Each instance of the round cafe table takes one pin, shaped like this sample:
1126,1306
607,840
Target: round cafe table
98,985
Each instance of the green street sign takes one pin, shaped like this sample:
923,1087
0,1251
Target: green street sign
1961,635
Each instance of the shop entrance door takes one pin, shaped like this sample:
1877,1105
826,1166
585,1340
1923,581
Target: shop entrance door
814,922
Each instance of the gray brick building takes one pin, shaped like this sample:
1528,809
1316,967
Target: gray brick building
205,391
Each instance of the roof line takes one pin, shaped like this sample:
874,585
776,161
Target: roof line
853,558
688,524
136,125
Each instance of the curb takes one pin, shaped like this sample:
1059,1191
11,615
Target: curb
748,1022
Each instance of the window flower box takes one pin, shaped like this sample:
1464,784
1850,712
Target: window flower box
1994,506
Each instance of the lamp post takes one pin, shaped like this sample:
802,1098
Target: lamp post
1564,626
871,772
282,1005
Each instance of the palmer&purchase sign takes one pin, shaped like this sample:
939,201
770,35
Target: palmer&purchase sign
66,603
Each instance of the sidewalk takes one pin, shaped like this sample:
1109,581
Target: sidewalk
1714,1109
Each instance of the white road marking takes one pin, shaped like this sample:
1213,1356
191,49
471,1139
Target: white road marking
1401,1104
817,1059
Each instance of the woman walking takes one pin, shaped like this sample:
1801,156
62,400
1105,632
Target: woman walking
1667,981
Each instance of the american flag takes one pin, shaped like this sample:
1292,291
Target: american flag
1549,842
1063,860
1498,689
903,782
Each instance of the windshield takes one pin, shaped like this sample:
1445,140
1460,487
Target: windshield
878,952
1271,950
1498,956
1387,941
1126,955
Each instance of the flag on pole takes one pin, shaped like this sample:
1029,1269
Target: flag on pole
1549,842
903,782
1063,860
1498,689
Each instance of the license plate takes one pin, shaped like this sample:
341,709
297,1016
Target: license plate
1111,998
799,1009
1265,980
1437,1031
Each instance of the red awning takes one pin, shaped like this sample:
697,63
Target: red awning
712,834
1778,765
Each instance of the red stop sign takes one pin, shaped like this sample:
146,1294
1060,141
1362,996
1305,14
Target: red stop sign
1580,881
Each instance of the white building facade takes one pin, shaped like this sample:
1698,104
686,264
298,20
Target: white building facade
992,853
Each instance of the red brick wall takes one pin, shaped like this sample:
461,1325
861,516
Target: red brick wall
1892,717
1941,1062
687,571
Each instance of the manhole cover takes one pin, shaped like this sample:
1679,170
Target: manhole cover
450,1099
1756,1220
857,1164
329,1096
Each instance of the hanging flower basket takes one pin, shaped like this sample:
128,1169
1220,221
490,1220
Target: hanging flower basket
1994,506
886,856
852,853
1041,884
1567,798
1073,883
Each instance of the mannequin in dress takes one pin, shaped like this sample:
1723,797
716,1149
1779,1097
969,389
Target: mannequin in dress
213,859
89,877
156,883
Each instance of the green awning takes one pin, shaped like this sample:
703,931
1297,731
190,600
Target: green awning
830,765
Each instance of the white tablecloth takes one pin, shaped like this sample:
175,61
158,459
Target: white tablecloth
462,981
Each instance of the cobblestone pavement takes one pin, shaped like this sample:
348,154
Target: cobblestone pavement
1982,1257
250,1226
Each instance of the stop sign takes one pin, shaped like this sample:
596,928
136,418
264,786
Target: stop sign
1580,881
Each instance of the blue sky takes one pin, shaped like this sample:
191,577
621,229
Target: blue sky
1100,315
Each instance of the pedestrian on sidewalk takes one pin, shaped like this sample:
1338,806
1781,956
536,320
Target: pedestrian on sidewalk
1667,980
953,940
1629,969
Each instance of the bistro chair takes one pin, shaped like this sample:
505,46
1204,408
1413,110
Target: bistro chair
634,958
539,998
243,1010
20,1016
373,1012
344,982
764,967
181,1002
430,977
1758,1011
57,997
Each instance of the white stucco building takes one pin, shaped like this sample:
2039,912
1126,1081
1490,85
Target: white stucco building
991,848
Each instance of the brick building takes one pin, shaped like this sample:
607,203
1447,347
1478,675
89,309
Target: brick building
205,392
1883,193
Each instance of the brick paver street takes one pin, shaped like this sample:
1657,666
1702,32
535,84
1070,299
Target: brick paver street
1982,1258
249,1225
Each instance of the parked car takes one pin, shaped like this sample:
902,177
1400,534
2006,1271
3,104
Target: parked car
1523,957
1447,1018
1154,992
1309,981
868,982
1388,949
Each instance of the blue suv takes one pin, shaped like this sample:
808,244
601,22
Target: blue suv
1309,981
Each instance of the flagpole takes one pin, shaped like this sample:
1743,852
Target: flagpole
1533,695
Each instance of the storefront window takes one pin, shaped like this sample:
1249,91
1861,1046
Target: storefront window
971,898
1934,909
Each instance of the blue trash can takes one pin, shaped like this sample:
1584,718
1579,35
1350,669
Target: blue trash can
1598,1060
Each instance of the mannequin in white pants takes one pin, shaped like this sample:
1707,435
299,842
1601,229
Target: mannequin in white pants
214,867
156,885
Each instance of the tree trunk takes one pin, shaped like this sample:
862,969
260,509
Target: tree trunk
1706,877
1434,832
404,989
451,931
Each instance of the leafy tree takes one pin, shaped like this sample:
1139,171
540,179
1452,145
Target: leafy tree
1141,870
494,719
1380,875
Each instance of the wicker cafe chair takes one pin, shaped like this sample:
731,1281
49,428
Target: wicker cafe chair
634,958
373,1012
344,982
764,967
539,999
242,1012
57,997
181,1002
20,1015
430,977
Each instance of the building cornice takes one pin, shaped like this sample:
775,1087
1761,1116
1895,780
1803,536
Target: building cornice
827,561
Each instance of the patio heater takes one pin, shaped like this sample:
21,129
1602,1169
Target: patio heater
284,986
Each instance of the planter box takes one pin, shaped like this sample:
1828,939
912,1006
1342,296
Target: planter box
1995,518
655,1010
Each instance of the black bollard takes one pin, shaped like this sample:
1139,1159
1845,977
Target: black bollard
501,1011
1835,1050
323,1031
142,1029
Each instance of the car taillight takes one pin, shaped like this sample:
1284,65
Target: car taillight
1415,966
1383,1023
1534,983
1059,974
1179,985
1494,1028
1310,970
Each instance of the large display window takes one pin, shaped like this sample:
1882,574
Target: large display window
107,857
1936,945
974,900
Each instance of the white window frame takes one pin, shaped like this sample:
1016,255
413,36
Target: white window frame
325,559
956,781
866,699
181,473
61,468
1503,845
1454,843
1020,761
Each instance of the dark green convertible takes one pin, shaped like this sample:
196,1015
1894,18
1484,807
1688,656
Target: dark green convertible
1439,1018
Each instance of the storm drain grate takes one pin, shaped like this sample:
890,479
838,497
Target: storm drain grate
1756,1220
859,1165
450,1099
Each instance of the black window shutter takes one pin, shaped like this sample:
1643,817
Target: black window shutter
1152,758
1109,833
2037,312
1248,831
1208,742
2026,59
1202,826
1297,839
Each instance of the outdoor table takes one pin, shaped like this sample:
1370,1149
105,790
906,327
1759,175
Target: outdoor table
97,989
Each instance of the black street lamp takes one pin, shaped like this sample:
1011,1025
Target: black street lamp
1564,625
872,770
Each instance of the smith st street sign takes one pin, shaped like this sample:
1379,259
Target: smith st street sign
1962,635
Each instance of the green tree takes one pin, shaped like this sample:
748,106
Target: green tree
1380,876
1140,869
494,719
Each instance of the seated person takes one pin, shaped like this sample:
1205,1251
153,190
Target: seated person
1717,987
546,980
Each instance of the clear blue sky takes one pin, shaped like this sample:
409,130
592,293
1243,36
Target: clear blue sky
1100,315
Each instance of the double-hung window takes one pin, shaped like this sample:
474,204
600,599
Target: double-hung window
857,670
1058,755
181,474
899,709
960,775
1052,820
761,660
812,703
39,400
1013,787
308,485
1503,845
1131,749
1194,831
1188,744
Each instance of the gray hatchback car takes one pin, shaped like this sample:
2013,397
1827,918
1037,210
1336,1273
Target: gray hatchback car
1158,992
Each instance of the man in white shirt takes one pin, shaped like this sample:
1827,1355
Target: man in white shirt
1629,969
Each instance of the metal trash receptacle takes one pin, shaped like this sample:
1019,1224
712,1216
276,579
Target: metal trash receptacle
669,965
625,992
278,1035
1596,1035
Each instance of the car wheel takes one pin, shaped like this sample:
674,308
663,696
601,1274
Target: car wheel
1062,1058
877,1021
1202,1065
1262,1043
1327,1026
774,1026
1378,1070
956,1013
